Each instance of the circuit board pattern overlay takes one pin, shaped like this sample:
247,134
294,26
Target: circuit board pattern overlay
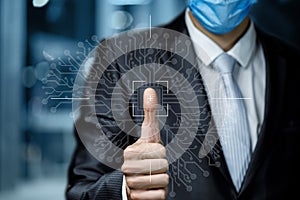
107,100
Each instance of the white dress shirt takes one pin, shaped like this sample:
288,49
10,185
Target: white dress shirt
249,72
250,75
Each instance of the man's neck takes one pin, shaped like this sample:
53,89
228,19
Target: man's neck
225,41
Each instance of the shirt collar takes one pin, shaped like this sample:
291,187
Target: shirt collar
207,50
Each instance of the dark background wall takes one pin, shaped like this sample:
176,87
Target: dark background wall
279,17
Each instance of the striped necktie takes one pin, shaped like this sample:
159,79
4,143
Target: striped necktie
233,130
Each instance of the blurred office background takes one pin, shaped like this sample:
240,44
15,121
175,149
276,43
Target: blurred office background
38,39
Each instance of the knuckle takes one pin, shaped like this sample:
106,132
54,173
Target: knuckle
161,149
133,196
129,152
165,164
131,182
126,155
162,194
164,152
125,168
166,179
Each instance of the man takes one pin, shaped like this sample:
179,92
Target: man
258,135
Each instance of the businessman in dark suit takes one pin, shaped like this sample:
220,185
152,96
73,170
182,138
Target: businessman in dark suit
265,70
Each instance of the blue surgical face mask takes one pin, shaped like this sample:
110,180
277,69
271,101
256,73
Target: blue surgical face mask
220,16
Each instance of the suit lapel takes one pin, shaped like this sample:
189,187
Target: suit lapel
213,153
275,81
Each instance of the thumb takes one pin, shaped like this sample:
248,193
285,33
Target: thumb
150,126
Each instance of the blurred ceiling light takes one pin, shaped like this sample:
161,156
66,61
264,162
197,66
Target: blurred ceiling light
39,3
129,2
48,56
121,20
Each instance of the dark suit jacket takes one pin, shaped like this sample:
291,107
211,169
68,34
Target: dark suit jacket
273,172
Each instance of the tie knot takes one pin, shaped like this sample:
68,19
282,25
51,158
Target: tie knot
224,63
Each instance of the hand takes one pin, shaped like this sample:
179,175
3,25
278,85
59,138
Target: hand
145,165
